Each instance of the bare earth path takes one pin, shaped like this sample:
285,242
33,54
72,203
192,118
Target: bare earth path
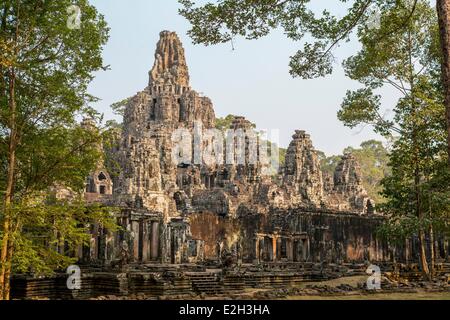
381,296
353,281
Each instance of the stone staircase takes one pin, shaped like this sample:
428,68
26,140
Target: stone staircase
233,283
206,282
176,280
144,283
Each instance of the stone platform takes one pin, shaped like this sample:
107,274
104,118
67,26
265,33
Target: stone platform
173,280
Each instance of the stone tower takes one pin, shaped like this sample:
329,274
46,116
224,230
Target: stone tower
180,212
170,66
148,175
302,169
348,184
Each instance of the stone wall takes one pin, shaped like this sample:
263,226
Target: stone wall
314,237
294,235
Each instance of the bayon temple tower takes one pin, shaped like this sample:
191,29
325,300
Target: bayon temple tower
193,210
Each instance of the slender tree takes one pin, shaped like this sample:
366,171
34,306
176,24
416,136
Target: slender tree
443,10
50,50
405,60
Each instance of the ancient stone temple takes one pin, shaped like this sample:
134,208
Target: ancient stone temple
194,210
193,199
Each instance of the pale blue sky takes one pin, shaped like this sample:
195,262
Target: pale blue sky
253,80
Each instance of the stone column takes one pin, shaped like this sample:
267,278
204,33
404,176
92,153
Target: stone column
290,249
135,239
93,248
274,248
101,244
268,248
407,253
300,249
261,249
305,249
145,241
446,250
154,250
278,248
257,249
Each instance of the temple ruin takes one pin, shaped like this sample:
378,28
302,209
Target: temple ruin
197,215
179,213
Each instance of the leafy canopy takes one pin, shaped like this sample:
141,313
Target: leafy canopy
45,69
222,20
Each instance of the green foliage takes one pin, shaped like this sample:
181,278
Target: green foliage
374,161
225,122
53,64
57,155
282,153
313,62
53,68
119,107
399,59
52,230
222,20
111,136
431,198
45,70
373,158
362,106
405,59
418,188
328,164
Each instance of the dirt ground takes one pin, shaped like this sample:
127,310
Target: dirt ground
353,281
381,296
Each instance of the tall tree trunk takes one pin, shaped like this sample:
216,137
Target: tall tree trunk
420,214
432,253
6,249
4,255
431,235
423,256
417,172
443,11
6,291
